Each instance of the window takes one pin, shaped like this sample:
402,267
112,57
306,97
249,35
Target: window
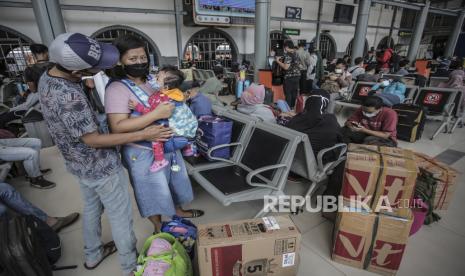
384,43
14,52
408,18
343,14
349,48
327,46
210,47
109,34
276,37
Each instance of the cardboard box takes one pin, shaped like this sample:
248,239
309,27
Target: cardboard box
375,242
446,176
377,172
255,247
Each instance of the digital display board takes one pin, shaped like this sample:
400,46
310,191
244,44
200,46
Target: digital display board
224,12
241,8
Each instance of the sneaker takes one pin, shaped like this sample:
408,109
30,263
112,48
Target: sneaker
41,183
46,171
158,165
63,222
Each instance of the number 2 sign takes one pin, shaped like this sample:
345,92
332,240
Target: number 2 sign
293,12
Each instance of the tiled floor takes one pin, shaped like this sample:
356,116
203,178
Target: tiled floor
438,249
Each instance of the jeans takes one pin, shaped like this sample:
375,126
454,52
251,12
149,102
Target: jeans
157,193
389,99
110,193
291,90
11,198
7,117
23,149
350,136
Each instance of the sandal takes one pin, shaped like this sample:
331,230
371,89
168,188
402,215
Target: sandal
108,249
195,213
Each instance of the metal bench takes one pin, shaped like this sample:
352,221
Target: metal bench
440,103
314,168
261,170
241,130
435,81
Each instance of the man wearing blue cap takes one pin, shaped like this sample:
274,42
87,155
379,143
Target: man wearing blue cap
89,153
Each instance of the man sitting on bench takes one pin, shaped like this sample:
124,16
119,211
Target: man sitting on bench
372,124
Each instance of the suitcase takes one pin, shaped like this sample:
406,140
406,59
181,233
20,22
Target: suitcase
411,122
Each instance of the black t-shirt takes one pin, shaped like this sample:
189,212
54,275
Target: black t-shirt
34,72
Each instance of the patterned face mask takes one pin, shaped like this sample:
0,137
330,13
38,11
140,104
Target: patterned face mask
370,115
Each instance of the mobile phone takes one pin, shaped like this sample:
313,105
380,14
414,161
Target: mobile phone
357,124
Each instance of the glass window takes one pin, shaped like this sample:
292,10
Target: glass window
343,14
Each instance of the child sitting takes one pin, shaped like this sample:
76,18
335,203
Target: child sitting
182,121
199,104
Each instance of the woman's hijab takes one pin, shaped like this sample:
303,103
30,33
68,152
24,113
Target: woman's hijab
456,79
315,107
254,94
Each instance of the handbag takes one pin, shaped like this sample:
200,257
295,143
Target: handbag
214,131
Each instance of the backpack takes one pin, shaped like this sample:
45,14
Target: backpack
394,62
29,247
183,230
411,121
177,259
425,189
277,74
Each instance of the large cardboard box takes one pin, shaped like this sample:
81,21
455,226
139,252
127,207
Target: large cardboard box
255,247
446,176
375,242
377,172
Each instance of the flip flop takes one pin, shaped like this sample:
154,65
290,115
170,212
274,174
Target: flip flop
195,213
108,249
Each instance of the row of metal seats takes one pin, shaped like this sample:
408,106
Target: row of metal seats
406,80
361,89
441,103
432,81
202,75
262,156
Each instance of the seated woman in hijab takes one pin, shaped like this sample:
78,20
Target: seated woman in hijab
456,81
322,129
252,103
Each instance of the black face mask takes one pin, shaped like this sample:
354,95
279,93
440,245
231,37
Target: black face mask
137,70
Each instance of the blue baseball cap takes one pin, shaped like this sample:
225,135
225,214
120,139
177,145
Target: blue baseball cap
75,51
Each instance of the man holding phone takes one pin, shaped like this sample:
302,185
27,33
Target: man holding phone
372,124
290,65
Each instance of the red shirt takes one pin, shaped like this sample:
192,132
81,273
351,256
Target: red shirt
385,121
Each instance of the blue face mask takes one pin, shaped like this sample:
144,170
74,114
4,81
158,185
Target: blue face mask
154,84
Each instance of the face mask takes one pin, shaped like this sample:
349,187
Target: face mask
370,115
385,83
338,71
137,70
154,84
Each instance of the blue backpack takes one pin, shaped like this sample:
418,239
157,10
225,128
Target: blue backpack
183,230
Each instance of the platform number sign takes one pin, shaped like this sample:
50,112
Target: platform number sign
293,12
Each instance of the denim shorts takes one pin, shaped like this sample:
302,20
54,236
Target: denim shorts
157,193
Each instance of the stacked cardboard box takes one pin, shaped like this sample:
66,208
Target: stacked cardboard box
380,173
255,247
382,177
446,177
375,242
